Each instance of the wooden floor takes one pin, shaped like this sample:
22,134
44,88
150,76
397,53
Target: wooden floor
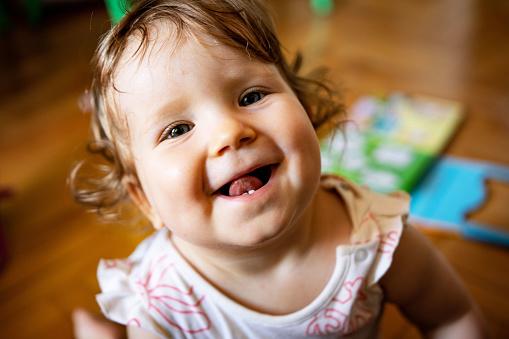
455,49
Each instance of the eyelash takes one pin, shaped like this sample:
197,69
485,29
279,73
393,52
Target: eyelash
260,91
168,131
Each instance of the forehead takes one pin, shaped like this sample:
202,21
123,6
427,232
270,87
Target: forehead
145,50
166,49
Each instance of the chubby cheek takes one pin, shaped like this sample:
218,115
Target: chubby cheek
309,160
171,189
302,140
308,166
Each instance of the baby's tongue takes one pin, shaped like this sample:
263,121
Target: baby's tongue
244,184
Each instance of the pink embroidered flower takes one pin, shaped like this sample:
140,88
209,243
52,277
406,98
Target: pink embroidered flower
388,243
332,321
179,307
368,232
345,314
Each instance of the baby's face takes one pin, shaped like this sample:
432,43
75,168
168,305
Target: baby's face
225,153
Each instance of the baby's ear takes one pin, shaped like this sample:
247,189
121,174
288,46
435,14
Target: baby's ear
140,199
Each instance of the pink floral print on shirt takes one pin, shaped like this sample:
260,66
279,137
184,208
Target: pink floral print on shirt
345,314
181,308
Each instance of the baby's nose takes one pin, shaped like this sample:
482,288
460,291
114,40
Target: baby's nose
229,133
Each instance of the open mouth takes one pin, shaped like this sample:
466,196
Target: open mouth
248,183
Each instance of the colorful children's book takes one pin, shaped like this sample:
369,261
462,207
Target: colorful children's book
391,140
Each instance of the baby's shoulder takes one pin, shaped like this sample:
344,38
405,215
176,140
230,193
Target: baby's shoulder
361,203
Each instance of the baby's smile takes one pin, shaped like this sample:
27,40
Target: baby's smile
247,183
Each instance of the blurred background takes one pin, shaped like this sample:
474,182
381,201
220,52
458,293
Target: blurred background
50,247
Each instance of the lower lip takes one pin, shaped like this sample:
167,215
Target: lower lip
256,194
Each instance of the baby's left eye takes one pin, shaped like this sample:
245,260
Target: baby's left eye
251,98
179,130
176,130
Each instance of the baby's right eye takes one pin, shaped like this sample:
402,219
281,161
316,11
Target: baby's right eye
251,98
176,130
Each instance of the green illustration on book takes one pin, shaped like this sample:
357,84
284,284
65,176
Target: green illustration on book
391,140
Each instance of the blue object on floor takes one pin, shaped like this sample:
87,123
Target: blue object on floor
453,188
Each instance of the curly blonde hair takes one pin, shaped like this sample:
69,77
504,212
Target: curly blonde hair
241,24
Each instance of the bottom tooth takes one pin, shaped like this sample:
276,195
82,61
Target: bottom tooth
248,192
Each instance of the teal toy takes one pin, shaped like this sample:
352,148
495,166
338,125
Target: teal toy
450,191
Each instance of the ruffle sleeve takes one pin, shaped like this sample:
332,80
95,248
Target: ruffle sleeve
378,221
121,300
389,214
